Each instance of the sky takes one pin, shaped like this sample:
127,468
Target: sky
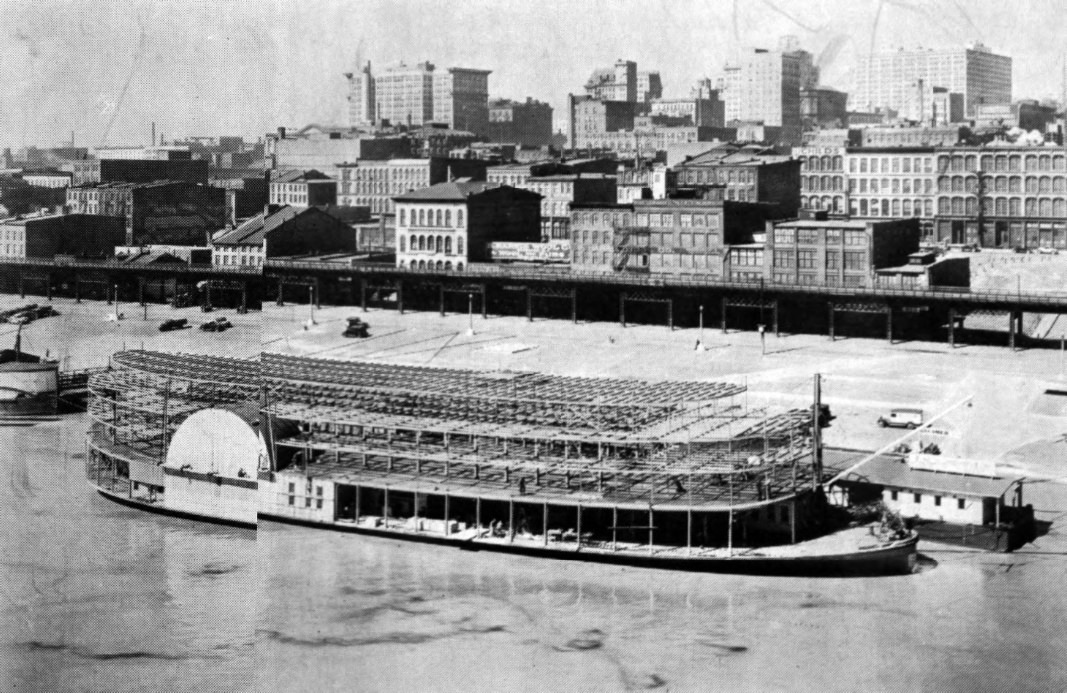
104,70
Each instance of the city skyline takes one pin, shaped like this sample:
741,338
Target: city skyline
244,68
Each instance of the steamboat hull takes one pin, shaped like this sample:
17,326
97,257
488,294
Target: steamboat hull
161,509
896,558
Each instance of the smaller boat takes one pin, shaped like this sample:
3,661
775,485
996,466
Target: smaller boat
29,385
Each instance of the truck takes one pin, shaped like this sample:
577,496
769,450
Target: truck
902,418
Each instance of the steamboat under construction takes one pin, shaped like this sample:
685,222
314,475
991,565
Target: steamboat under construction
669,474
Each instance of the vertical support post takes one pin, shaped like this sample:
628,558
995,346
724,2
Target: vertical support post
650,530
775,317
952,328
441,298
574,306
614,527
830,308
280,300
447,522
207,295
48,286
477,516
1011,329
77,289
485,302
529,305
140,291
22,284
578,535
622,308
385,507
544,523
400,296
244,298
363,295
415,511
670,314
793,520
889,323
358,494
723,315
511,520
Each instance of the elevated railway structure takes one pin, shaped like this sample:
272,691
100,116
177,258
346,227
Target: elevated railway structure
556,292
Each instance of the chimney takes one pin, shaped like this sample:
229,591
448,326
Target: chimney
281,133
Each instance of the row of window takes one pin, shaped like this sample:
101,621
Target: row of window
822,163
431,244
891,208
1001,206
961,503
834,203
1002,162
809,259
821,183
430,265
405,174
429,217
894,186
891,164
716,175
813,236
244,260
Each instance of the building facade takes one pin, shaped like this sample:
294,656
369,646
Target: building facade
559,192
414,95
884,79
764,86
823,108
48,235
284,231
746,177
162,213
303,189
447,226
375,184
361,108
836,253
823,179
526,123
892,182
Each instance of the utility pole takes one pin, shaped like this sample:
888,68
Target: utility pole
470,314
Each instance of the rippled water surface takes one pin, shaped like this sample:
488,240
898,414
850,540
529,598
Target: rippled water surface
99,597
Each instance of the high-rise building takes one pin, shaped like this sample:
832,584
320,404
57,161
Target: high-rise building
886,79
618,83
649,86
764,86
419,94
361,108
528,123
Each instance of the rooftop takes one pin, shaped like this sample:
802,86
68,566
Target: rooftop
457,191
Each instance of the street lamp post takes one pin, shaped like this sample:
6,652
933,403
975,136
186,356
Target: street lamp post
470,314
311,306
118,316
700,343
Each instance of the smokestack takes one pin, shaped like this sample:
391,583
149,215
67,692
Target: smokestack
153,133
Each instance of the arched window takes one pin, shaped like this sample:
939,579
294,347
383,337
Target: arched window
422,242
403,217
440,218
440,265
440,245
459,249
448,217
448,246
448,265
422,217
402,244
422,264
459,217
459,266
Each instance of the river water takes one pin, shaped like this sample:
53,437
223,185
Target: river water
99,597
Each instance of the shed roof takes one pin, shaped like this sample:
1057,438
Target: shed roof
894,472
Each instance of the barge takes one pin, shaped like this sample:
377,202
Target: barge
29,385
679,475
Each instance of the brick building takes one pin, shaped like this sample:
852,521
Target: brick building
747,177
48,235
526,123
449,225
302,188
164,212
375,184
282,232
559,192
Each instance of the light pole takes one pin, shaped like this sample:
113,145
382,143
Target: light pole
118,315
470,314
311,306
700,341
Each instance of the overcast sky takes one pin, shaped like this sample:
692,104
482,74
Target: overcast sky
105,70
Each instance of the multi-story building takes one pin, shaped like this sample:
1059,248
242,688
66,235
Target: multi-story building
764,86
48,179
836,252
47,235
662,236
517,175
885,79
449,225
746,177
282,231
891,182
649,86
527,124
307,149
823,179
647,182
617,83
160,213
375,184
707,111
419,94
361,108
154,153
303,189
559,192
590,118
1008,197
903,136
823,108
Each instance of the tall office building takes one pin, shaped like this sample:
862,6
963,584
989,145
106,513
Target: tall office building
764,86
419,94
360,97
885,79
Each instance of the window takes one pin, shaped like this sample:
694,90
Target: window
402,244
833,260
937,501
403,217
960,504
918,498
783,237
806,259
459,248
807,236
893,495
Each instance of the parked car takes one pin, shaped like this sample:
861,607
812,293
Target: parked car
175,324
1045,250
902,418
356,328
219,324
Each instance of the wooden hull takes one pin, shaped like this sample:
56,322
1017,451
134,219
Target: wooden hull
897,558
163,510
